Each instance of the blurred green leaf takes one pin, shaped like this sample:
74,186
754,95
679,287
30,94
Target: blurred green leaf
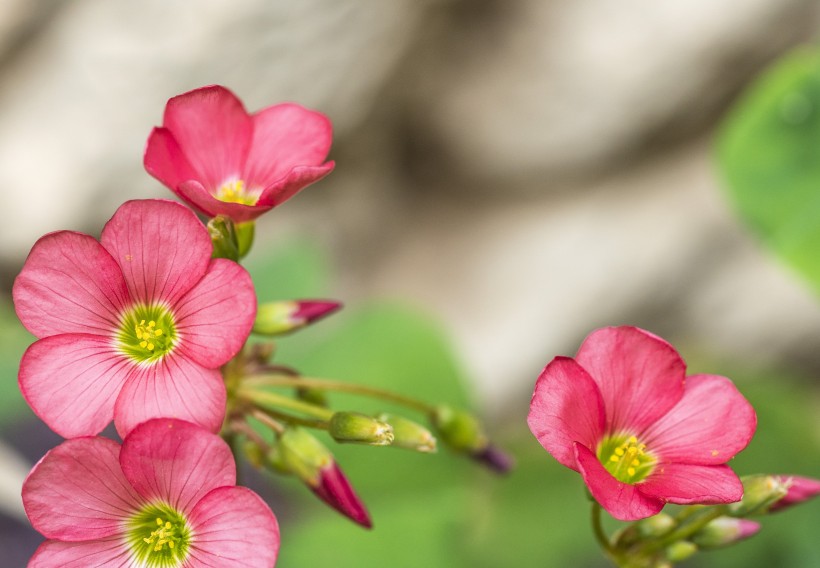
14,339
769,155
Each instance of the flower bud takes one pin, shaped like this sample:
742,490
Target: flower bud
276,318
359,428
656,525
799,489
462,432
223,236
459,429
724,531
306,457
680,551
759,493
494,458
408,434
244,237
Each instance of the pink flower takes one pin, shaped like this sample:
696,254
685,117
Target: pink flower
223,161
134,326
641,433
166,498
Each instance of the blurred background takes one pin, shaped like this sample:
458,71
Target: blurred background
511,174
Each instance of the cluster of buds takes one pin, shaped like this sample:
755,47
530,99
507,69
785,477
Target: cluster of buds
665,539
149,327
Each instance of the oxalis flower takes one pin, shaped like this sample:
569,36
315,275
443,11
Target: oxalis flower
625,416
134,326
224,161
166,498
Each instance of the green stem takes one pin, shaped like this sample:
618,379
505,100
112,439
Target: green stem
257,397
291,419
686,530
598,530
339,386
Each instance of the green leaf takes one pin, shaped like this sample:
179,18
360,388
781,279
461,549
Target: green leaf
769,155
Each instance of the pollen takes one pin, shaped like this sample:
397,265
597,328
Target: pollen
164,535
626,458
234,191
147,333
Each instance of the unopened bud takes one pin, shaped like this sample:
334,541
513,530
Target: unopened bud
656,526
799,489
680,551
462,432
305,456
494,458
277,318
223,237
759,493
408,434
459,429
244,237
359,428
724,531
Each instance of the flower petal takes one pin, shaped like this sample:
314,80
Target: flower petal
200,198
216,316
214,131
165,160
77,491
285,136
71,382
176,462
623,501
69,284
161,246
640,375
175,388
710,424
295,181
566,407
110,553
687,484
233,527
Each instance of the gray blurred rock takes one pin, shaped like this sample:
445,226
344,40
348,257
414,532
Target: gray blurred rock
77,101
513,91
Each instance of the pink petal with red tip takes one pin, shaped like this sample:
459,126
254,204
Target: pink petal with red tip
174,387
161,247
216,316
214,131
800,489
72,381
640,375
165,160
334,489
686,484
297,179
233,527
176,462
108,553
69,284
195,193
312,310
78,492
566,407
710,424
286,136
623,501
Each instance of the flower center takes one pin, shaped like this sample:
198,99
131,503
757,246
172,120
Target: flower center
235,192
147,333
159,536
626,458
